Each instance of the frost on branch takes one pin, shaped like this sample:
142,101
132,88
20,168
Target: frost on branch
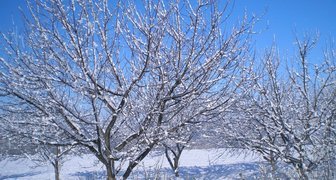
116,77
288,115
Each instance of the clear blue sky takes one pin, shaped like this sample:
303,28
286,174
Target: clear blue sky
282,19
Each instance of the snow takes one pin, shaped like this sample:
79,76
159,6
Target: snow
214,163
204,158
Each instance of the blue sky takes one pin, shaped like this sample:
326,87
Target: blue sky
285,19
281,20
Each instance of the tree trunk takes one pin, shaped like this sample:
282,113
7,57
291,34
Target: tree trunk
56,165
273,165
110,174
137,160
303,175
176,166
56,168
273,169
176,172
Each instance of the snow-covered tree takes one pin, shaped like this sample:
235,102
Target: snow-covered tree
54,155
115,75
290,116
22,136
174,146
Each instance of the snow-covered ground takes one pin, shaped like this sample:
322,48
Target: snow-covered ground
198,164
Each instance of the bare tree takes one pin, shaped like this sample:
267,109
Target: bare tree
28,142
55,155
174,147
288,117
114,76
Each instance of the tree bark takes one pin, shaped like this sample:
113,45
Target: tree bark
56,165
176,172
132,165
302,173
176,166
273,165
56,168
110,174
